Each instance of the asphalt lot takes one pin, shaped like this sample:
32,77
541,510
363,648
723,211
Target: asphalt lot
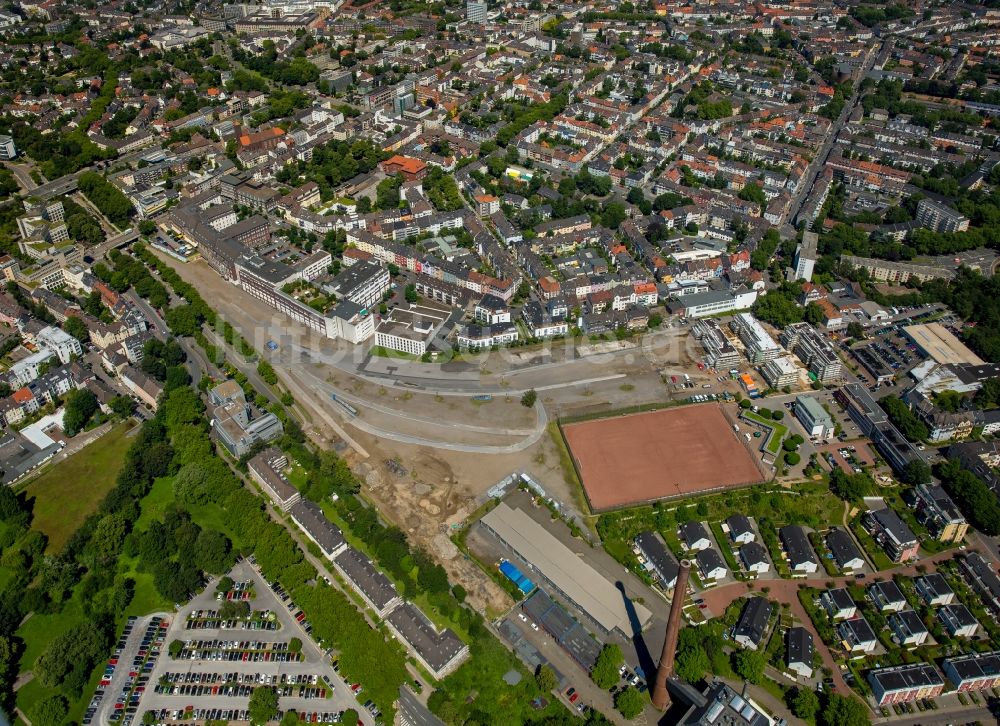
121,679
313,663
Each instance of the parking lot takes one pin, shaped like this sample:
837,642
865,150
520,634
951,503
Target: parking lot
127,672
225,653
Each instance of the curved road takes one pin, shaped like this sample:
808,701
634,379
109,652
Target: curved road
786,591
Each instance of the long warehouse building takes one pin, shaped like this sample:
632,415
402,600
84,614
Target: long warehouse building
568,574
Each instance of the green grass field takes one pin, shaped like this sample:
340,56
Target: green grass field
67,492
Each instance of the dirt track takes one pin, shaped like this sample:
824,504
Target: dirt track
667,453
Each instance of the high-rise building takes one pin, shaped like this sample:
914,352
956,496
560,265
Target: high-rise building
940,217
8,150
475,11
805,256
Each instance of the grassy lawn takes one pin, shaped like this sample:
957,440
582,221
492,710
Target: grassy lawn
384,352
66,493
297,475
878,557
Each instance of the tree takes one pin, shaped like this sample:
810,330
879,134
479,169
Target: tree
856,330
916,472
411,293
77,328
80,407
213,551
904,419
263,705
529,398
805,704
291,718
605,670
294,645
844,711
349,718
850,487
749,665
50,711
777,414
122,406
630,702
792,458
545,678
176,646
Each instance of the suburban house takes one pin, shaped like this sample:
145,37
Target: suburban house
857,635
710,565
740,529
656,559
958,620
799,553
838,604
694,536
750,629
908,628
754,558
845,553
799,651
886,596
934,589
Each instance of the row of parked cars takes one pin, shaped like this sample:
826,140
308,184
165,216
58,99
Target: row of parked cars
256,651
239,591
127,700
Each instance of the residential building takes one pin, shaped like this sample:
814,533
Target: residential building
886,596
838,603
8,149
806,255
656,559
798,551
940,217
239,425
958,620
710,565
903,683
363,283
752,625
934,589
694,536
64,345
759,345
982,578
475,11
411,330
815,351
813,417
857,635
893,534
754,559
874,424
973,672
439,651
321,531
845,552
941,516
780,372
377,590
740,529
720,353
266,469
721,706
908,628
799,651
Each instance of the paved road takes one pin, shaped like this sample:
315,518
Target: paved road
819,161
412,712
786,591
22,172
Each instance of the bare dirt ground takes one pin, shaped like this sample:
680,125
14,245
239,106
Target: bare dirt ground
441,487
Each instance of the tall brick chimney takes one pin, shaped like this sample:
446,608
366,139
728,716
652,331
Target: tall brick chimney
661,698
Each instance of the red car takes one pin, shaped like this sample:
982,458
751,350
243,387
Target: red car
673,379
574,697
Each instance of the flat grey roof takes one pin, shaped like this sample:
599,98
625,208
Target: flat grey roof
577,580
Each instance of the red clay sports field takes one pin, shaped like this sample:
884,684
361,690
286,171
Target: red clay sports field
642,457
